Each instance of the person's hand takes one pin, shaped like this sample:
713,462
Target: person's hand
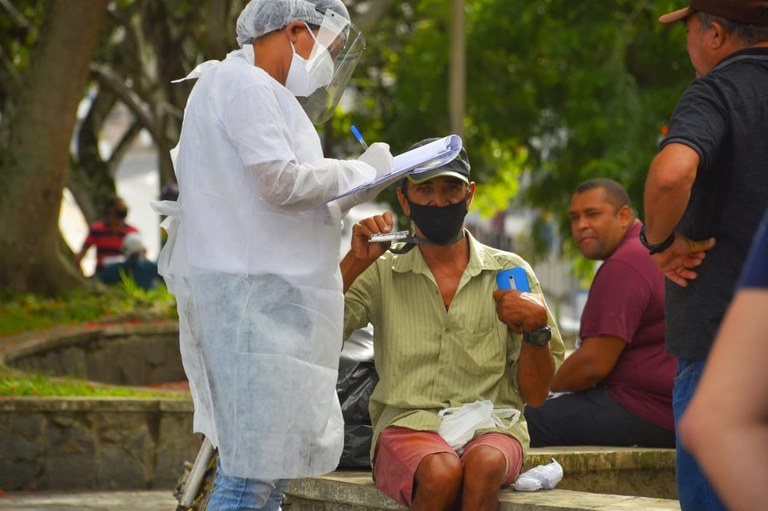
520,311
362,231
378,156
678,261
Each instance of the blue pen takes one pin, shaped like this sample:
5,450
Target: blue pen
358,136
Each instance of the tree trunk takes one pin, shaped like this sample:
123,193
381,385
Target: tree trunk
91,177
33,167
219,29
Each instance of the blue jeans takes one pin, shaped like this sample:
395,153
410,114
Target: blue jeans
238,494
693,489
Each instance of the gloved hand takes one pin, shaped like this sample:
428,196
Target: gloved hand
378,156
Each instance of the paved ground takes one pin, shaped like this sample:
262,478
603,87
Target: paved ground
156,500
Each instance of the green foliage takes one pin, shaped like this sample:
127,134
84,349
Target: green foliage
31,312
495,195
557,92
19,30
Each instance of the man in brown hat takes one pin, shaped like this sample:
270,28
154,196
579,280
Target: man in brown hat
709,182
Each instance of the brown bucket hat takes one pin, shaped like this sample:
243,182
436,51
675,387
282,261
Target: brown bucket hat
750,12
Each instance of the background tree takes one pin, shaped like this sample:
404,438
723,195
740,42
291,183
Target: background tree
557,92
145,45
39,110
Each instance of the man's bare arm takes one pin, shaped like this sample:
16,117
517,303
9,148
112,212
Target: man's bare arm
588,365
668,190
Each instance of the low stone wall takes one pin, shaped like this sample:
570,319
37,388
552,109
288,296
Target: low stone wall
119,354
90,443
94,444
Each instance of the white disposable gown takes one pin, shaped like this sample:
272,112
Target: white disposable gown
252,257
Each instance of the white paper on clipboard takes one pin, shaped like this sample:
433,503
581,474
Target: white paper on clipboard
420,159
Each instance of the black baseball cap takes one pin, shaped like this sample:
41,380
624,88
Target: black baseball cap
458,167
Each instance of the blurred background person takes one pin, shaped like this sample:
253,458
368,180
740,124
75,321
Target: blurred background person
135,266
107,235
618,383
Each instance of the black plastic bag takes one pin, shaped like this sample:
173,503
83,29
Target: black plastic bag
357,379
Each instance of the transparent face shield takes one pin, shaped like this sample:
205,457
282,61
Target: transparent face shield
345,44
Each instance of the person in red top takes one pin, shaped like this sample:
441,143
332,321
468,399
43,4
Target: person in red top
107,235
618,384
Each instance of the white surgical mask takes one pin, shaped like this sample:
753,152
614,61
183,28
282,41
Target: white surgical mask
305,76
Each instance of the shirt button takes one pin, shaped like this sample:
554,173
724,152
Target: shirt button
441,370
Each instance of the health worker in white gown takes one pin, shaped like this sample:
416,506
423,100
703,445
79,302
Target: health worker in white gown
253,246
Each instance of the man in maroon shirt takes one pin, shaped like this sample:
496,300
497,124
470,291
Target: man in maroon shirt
107,235
617,386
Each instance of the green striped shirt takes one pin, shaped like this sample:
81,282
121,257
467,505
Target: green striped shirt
428,358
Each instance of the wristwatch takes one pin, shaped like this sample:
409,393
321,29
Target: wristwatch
538,337
656,249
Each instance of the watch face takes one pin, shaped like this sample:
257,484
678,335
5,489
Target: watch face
539,337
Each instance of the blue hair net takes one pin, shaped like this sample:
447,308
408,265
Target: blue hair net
261,17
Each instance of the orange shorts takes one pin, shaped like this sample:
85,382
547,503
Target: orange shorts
399,451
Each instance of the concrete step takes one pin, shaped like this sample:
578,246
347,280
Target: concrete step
639,471
354,491
595,477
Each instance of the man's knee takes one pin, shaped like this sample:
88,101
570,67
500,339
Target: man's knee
485,463
439,473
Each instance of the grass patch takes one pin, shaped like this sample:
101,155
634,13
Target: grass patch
27,312
20,384
24,313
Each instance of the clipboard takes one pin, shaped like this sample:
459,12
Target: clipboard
419,159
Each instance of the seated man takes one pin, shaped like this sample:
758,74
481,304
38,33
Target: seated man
136,267
107,235
445,337
619,381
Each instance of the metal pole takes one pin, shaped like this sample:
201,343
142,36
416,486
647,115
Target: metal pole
457,87
196,474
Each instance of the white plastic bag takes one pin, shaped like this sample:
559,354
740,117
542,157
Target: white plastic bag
458,424
543,477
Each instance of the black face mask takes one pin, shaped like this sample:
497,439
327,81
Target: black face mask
439,224
121,213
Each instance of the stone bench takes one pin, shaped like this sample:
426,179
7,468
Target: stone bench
94,444
644,472
605,478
